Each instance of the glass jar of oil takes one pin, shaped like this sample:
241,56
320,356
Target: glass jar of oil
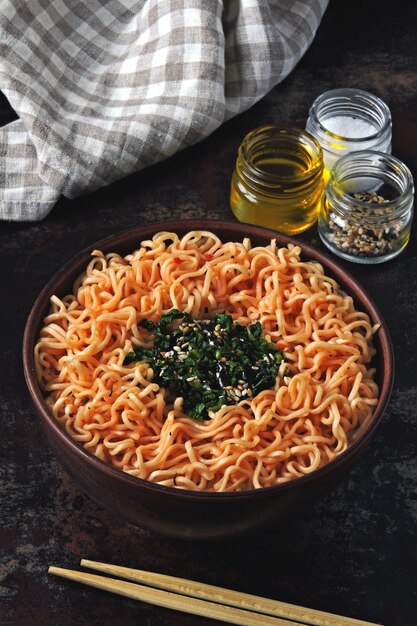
278,179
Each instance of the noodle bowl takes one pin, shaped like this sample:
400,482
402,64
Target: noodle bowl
325,391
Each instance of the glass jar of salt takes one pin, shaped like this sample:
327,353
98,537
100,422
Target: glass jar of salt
347,120
367,209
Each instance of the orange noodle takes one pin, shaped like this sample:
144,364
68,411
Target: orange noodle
325,388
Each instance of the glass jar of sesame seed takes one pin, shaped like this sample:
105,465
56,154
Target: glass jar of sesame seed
367,207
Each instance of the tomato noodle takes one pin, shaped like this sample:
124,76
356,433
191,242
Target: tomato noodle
325,389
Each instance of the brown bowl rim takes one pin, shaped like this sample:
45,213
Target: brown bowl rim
118,241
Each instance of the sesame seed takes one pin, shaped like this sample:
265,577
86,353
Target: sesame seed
365,235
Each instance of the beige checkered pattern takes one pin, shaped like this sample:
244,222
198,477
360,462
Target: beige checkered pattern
106,87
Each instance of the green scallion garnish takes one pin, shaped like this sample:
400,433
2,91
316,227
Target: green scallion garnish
210,362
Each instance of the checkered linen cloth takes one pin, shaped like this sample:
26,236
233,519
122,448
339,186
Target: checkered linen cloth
107,87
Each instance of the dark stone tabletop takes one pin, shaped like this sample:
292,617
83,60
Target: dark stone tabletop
354,552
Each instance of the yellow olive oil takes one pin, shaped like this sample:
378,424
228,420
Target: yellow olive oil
278,179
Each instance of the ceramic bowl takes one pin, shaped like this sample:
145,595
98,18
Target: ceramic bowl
189,514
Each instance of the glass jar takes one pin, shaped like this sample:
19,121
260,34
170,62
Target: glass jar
278,179
347,120
367,207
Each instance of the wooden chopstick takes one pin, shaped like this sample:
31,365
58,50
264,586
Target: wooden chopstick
202,599
175,601
229,597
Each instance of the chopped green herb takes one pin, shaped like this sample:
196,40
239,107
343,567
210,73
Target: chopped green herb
209,363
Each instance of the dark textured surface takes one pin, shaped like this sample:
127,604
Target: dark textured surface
353,553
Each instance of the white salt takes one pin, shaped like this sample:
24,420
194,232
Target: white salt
350,127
